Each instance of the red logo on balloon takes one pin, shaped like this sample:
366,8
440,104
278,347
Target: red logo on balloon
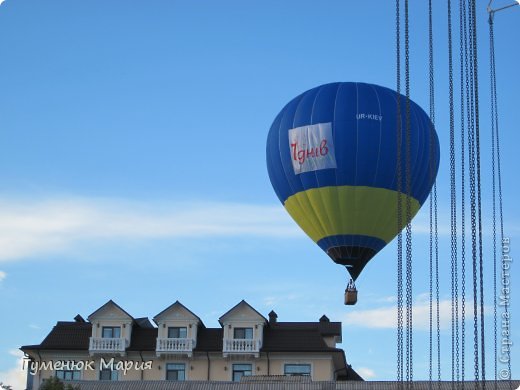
304,153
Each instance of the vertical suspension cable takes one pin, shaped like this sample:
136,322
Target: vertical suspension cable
479,193
409,303
463,99
431,280
453,201
437,285
399,168
480,225
493,175
501,223
432,118
472,182
434,241
496,138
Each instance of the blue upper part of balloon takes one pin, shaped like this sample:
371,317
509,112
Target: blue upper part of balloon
364,123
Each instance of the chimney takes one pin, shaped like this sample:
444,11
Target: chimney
272,317
324,318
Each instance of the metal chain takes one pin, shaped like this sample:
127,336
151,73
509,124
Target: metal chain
493,174
472,179
479,194
432,118
409,315
500,200
434,192
463,98
501,216
454,301
437,284
431,285
399,201
479,202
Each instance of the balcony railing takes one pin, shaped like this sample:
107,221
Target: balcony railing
242,346
174,346
107,345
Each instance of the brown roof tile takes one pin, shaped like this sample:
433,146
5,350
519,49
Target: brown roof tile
326,328
68,335
293,340
281,337
209,339
143,339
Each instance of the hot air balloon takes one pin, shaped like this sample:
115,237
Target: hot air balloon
332,160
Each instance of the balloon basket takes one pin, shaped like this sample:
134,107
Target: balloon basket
350,296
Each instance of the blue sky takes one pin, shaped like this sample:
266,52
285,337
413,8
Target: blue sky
132,163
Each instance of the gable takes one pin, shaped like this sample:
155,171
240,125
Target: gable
243,312
176,311
110,311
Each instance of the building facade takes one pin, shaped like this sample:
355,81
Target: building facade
111,345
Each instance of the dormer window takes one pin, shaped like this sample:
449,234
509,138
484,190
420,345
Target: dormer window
243,329
177,332
243,333
111,332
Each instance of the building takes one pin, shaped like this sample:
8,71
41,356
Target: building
111,345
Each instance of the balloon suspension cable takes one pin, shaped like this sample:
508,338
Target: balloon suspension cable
351,293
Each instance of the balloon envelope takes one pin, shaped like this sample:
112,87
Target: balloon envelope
332,161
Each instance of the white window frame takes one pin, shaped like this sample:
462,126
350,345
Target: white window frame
65,371
241,363
177,327
112,328
173,380
244,328
111,374
293,363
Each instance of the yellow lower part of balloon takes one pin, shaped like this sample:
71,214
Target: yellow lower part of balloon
349,210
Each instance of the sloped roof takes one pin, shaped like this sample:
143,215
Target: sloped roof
326,328
143,339
293,340
241,303
210,339
177,303
110,302
144,322
75,336
278,336
66,336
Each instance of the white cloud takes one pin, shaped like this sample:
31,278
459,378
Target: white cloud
16,376
377,299
54,226
59,225
421,224
273,300
385,317
3,275
366,373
